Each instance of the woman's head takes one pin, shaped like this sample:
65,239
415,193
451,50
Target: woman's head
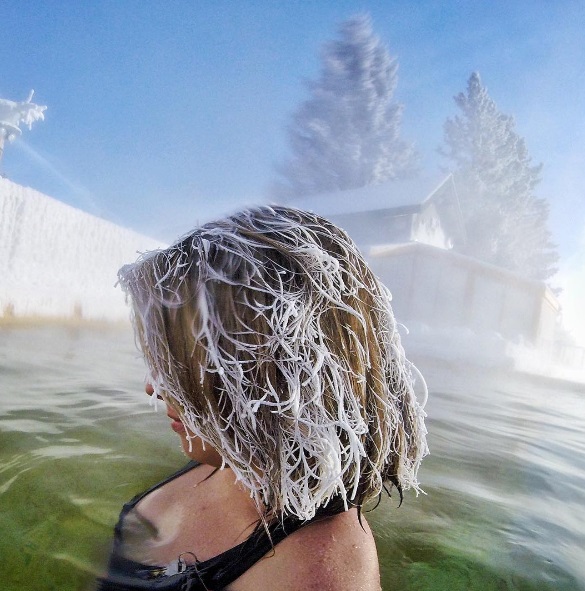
270,335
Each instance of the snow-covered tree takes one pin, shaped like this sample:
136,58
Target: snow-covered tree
347,135
506,223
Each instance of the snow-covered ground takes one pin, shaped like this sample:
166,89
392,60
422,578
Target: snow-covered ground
59,262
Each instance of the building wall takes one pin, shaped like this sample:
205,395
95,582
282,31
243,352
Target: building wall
444,289
58,261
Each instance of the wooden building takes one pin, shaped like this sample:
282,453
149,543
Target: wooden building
422,210
442,288
407,229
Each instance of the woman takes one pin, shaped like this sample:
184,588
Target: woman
275,351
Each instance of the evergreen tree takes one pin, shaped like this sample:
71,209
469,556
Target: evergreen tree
347,134
506,223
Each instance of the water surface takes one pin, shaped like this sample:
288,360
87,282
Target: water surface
505,483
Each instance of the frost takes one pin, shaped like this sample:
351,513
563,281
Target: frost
58,261
320,449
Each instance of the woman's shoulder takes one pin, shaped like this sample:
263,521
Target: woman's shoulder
331,554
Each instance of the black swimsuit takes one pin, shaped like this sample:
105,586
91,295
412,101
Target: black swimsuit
212,575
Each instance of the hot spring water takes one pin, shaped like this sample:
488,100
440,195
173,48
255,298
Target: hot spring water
505,482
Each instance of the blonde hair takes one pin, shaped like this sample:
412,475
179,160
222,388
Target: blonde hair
270,334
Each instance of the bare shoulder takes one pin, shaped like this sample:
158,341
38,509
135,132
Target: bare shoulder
335,554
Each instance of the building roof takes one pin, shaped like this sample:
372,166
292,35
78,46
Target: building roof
387,251
405,195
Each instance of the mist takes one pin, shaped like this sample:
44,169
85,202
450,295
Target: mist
572,281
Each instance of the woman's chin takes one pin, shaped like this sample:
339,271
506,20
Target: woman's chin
193,448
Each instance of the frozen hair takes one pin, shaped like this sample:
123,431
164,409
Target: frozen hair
278,346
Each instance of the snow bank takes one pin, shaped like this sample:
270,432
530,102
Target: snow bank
58,261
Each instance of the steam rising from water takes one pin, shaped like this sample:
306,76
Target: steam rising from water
572,280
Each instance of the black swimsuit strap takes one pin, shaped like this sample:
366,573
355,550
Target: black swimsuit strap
127,507
213,574
135,500
221,570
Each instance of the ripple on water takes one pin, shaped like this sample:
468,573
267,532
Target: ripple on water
29,426
69,451
505,480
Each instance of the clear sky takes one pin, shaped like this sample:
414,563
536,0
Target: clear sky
164,114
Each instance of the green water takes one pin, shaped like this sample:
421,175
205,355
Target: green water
505,484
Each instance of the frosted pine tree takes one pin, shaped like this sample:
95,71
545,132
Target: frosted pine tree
347,135
506,223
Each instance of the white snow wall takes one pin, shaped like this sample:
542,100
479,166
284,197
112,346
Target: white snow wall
60,262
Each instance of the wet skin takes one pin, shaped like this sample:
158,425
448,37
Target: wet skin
337,553
192,445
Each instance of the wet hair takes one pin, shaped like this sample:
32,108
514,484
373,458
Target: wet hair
278,346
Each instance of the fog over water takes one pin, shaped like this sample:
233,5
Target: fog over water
572,280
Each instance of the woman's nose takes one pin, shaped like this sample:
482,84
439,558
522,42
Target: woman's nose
149,389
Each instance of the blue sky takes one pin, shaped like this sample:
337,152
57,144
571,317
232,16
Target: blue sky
164,114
